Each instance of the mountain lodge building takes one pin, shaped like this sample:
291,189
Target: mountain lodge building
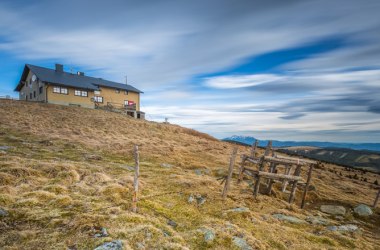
55,86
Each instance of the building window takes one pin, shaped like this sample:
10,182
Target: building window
56,90
117,91
30,96
126,92
34,94
64,91
40,90
97,92
98,99
80,93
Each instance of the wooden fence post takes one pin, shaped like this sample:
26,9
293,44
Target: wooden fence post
230,170
297,172
377,199
136,179
254,148
307,185
241,170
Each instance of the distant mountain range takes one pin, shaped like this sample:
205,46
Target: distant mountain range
356,155
247,140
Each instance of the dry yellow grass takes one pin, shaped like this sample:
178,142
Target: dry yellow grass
66,175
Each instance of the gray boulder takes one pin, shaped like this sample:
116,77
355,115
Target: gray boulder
287,218
334,210
241,243
113,245
363,210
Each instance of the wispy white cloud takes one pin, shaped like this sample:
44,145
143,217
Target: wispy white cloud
240,81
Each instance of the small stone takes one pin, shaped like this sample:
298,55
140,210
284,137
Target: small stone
241,243
5,148
338,217
198,172
363,210
209,235
3,213
172,223
140,245
166,165
93,157
239,210
287,218
334,210
190,199
130,168
200,199
166,234
103,233
113,245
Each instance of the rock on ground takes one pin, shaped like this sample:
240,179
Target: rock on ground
317,220
334,210
113,245
239,210
241,243
3,212
344,228
287,218
363,210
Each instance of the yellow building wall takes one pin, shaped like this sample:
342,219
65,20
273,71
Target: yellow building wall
70,98
110,95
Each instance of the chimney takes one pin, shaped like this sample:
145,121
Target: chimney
79,73
58,67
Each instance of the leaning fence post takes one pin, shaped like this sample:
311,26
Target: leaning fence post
307,185
377,199
136,179
230,170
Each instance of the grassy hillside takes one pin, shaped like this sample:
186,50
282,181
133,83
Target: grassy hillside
65,173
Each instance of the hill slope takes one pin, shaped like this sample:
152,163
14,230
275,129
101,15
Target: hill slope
65,174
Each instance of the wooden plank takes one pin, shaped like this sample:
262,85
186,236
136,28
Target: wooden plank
230,170
285,182
254,160
307,185
136,179
377,199
282,161
303,161
255,173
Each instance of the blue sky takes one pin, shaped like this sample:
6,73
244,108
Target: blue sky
286,70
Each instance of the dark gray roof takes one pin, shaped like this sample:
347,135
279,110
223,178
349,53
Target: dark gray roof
72,80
